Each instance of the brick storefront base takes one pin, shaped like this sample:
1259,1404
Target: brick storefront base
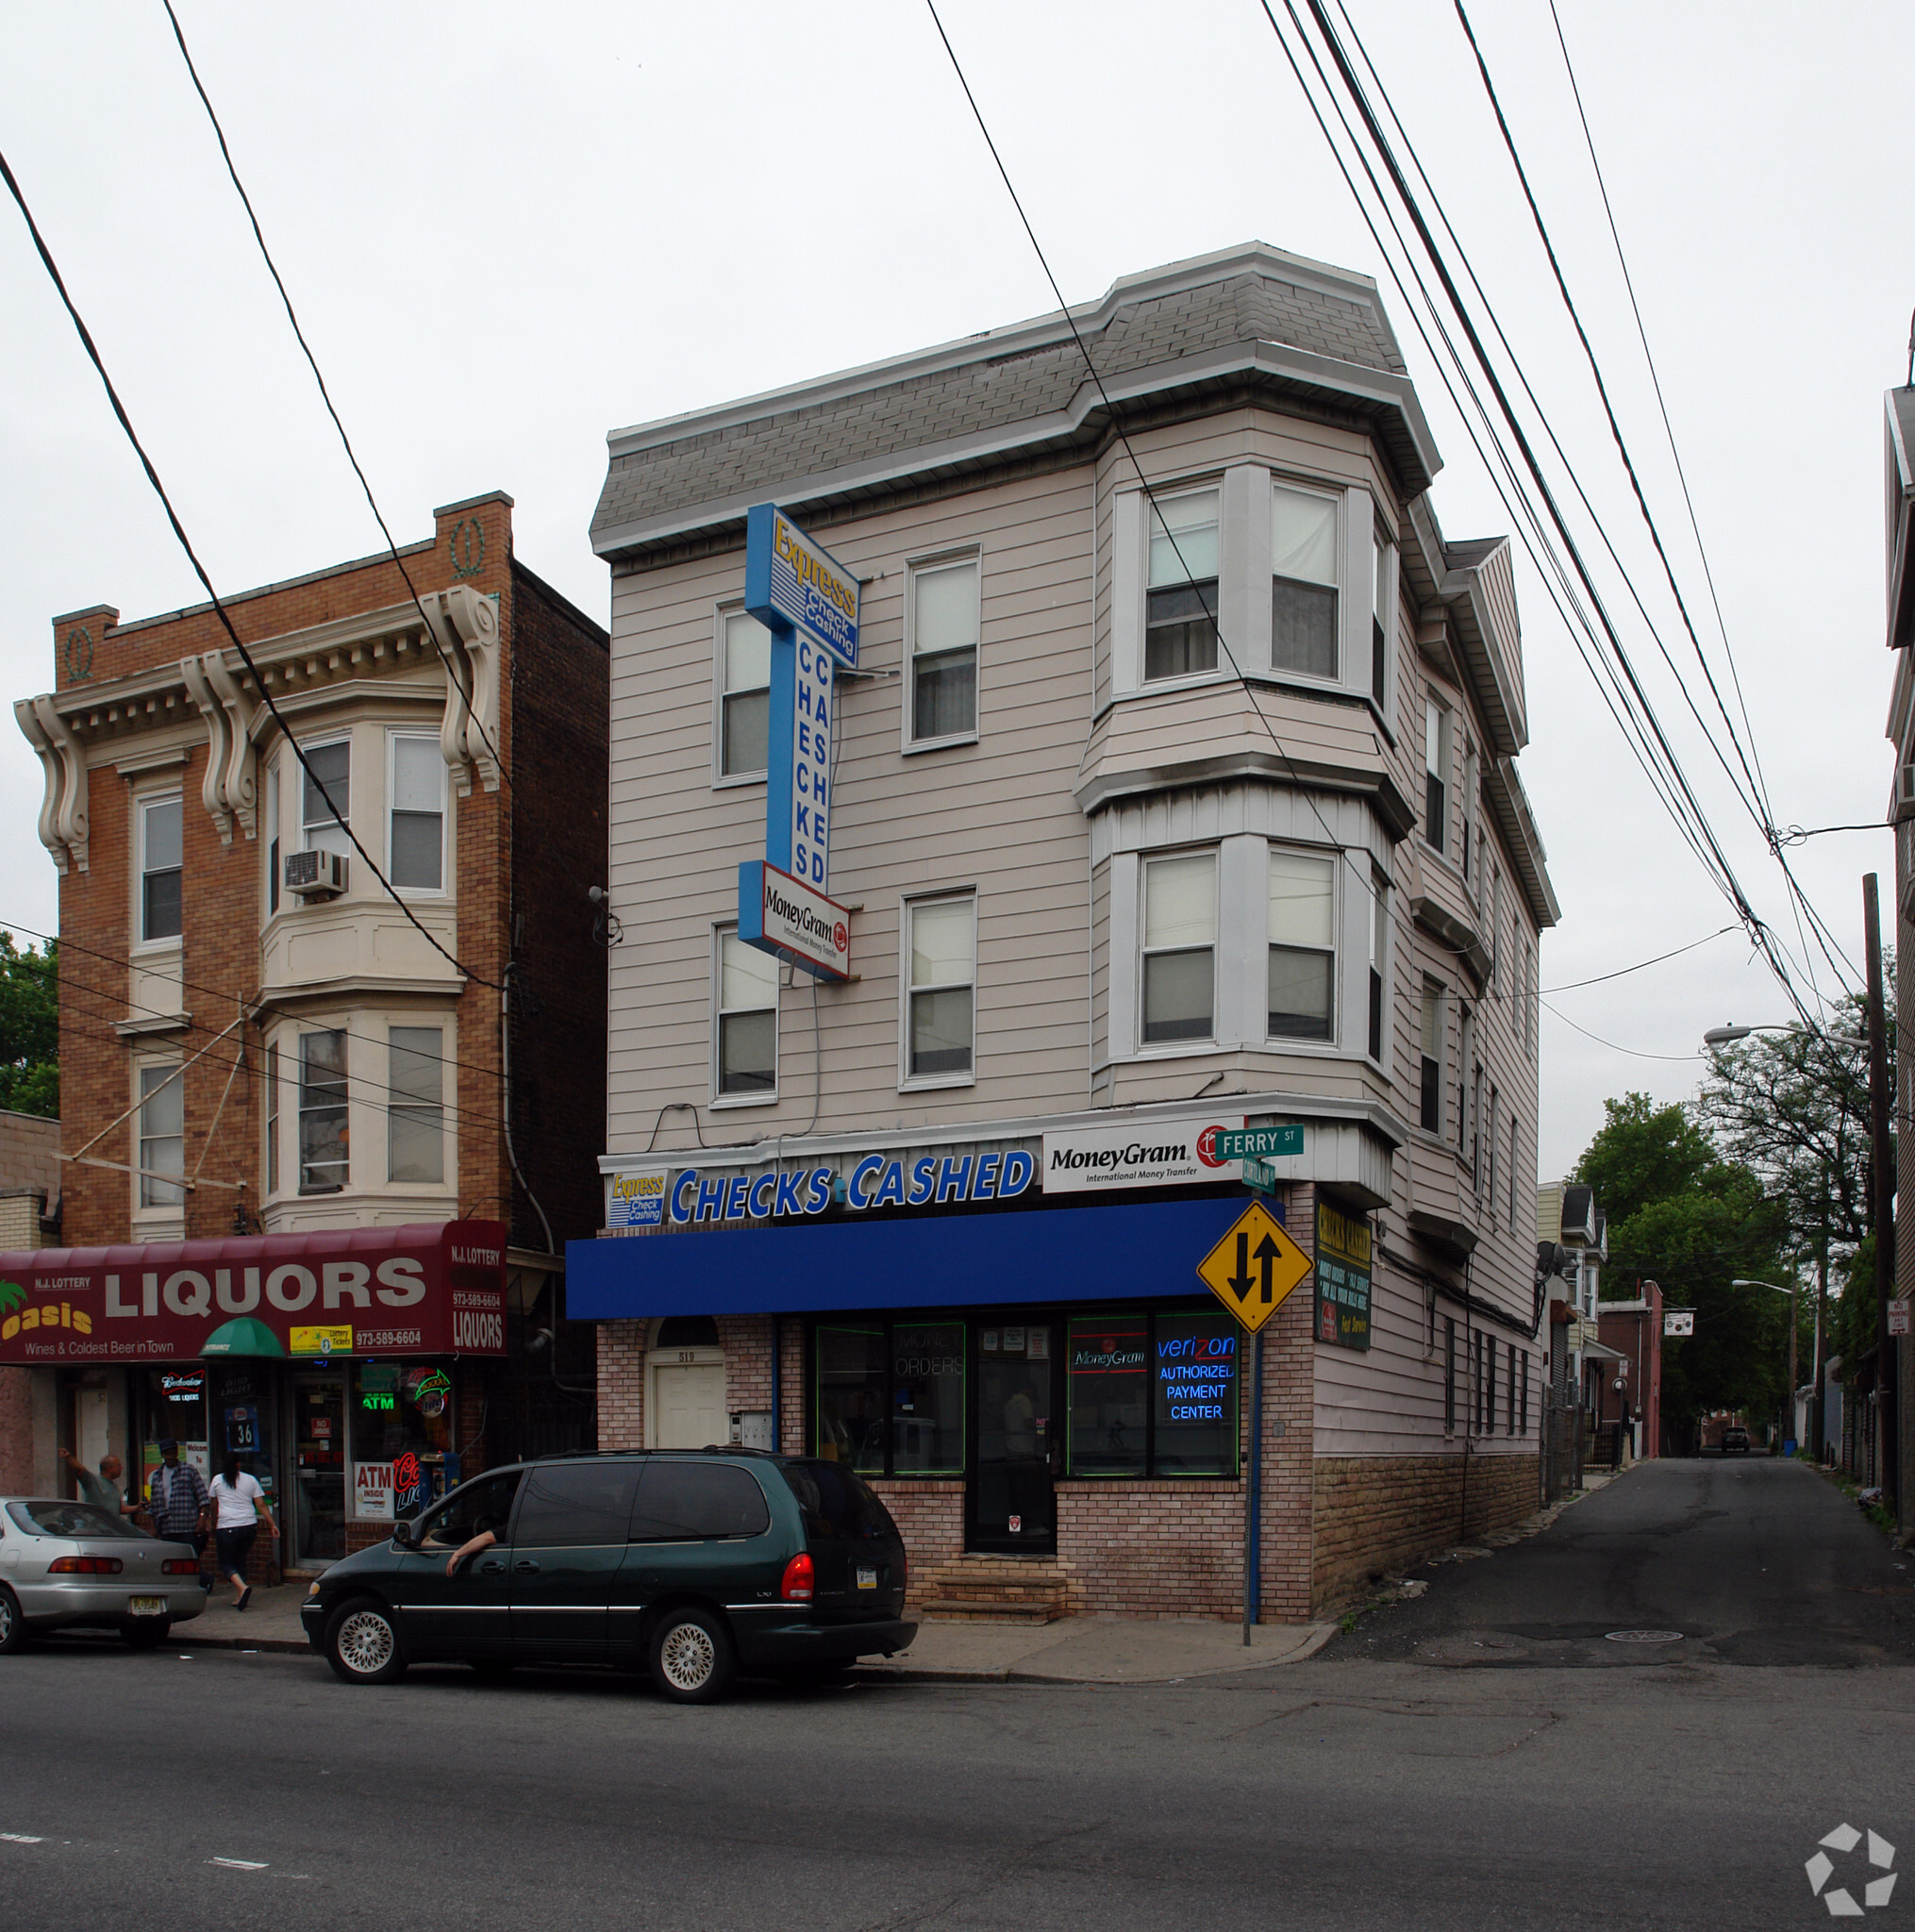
1381,1512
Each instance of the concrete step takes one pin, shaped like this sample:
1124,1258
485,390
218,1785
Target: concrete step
975,1609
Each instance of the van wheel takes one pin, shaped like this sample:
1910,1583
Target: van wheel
12,1624
362,1644
692,1656
149,1633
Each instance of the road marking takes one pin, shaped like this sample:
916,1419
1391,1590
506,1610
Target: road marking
239,1864
20,1838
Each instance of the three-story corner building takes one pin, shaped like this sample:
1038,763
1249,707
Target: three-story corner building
357,1123
1155,811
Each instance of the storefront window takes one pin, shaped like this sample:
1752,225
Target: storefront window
851,1396
1153,1394
928,1387
1196,1395
1110,1428
401,1439
175,1406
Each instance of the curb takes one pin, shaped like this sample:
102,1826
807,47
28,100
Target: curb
1011,1674
293,1646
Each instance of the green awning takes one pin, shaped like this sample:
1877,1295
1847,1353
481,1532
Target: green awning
244,1335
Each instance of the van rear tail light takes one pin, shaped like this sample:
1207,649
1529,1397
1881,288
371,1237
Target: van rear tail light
797,1586
180,1566
84,1566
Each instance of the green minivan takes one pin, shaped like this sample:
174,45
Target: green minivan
694,1564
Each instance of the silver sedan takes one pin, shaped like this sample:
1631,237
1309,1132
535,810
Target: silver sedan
66,1565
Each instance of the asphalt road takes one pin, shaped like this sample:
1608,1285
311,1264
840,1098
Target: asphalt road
1346,1792
1751,1560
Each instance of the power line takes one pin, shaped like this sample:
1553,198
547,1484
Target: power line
1622,972
1379,141
324,396
1634,1053
207,583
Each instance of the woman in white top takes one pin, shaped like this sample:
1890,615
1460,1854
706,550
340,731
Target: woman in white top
241,1504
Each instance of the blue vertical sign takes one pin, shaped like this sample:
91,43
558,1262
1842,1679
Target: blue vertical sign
810,604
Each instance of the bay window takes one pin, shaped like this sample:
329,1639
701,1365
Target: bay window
1303,553
1435,774
415,1109
326,797
1179,948
1180,617
1303,956
324,1161
416,829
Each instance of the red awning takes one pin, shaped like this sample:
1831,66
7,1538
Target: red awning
437,1289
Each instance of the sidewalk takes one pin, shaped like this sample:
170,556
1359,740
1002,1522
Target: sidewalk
1074,1650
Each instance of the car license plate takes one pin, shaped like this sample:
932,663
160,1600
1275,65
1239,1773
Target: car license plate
146,1607
867,1579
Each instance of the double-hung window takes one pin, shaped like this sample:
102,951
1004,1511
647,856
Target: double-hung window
1382,624
415,1105
1180,614
162,1135
942,943
1488,1175
161,832
272,837
326,797
943,655
415,843
1303,554
1436,775
324,1160
1430,1115
1303,956
746,695
747,1020
1379,953
273,1118
1179,948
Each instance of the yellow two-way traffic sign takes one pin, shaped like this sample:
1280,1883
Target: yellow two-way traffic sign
1254,1268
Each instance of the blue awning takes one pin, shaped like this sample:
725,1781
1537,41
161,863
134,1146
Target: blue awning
934,1261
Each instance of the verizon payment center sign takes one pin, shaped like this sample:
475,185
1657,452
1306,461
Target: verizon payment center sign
1138,1154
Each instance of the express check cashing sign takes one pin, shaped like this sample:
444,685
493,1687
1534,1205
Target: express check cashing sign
790,580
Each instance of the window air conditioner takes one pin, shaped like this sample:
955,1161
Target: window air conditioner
315,874
1905,792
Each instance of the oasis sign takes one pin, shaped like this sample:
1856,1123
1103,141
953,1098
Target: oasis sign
438,1288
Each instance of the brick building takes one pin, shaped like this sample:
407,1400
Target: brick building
1105,897
267,1057
30,1185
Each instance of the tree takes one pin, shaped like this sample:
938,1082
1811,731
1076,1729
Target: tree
1681,1215
29,1028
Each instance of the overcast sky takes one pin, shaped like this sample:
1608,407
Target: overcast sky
511,230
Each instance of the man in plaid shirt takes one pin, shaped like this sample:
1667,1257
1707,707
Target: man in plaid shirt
177,1498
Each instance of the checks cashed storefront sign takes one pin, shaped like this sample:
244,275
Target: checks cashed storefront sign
432,1290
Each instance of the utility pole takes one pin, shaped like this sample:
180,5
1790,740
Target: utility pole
1881,1195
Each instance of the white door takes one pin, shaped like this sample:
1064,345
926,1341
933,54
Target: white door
688,1411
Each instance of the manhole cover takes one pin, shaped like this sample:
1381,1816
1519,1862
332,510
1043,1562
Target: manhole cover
1643,1636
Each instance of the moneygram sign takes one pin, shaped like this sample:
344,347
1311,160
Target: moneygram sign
783,915
1139,1153
438,1288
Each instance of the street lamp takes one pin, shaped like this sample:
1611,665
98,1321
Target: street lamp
1727,1036
1742,1281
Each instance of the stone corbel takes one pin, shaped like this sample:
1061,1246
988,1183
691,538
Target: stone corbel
63,825
465,626
238,785
211,795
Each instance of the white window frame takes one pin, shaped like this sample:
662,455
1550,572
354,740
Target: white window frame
145,804
394,1104
324,743
720,779
1142,951
1443,716
1379,964
300,1033
273,1112
719,1011
1339,677
909,1082
1287,1043
1434,995
1386,596
172,1078
394,736
910,744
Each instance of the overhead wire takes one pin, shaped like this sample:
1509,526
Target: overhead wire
266,697
1759,929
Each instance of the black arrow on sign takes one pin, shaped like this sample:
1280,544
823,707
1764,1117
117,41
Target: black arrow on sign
1242,1281
1267,1251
